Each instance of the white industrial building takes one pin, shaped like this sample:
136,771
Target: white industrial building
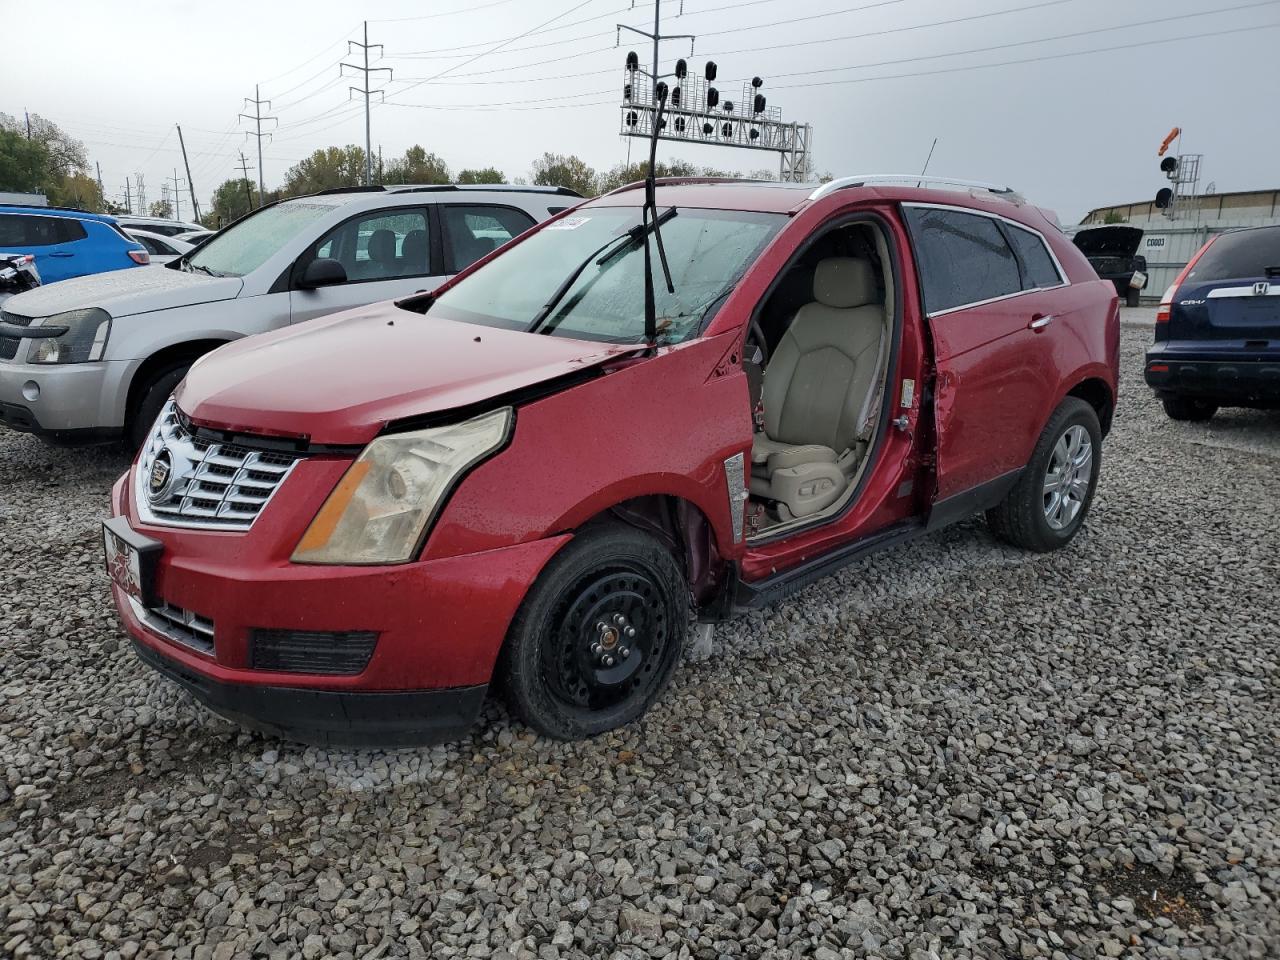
1169,243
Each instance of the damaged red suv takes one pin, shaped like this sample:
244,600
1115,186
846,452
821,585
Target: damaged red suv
346,531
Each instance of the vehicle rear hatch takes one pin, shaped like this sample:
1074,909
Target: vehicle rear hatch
1231,295
1110,249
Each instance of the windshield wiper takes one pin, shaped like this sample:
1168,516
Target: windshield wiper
640,230
202,269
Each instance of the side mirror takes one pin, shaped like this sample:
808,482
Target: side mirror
322,272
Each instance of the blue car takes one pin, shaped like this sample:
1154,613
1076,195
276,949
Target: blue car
68,243
1217,340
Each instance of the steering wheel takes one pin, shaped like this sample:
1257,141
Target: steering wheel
756,348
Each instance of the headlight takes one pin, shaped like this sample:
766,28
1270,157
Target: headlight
85,339
382,507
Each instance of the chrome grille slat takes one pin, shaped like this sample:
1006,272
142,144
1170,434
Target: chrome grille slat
216,486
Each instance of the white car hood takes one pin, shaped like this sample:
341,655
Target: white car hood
125,292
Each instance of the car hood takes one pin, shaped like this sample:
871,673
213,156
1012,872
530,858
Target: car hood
125,292
340,379
1108,241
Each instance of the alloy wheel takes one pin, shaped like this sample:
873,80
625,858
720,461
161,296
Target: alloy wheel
1066,482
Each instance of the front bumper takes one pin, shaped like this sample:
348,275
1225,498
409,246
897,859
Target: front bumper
439,624
326,717
74,401
1241,379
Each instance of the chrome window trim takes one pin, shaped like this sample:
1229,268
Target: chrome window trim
1057,264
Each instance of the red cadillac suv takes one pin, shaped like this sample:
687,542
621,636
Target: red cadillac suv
345,531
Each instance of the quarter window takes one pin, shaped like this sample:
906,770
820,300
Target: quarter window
964,258
1038,270
473,232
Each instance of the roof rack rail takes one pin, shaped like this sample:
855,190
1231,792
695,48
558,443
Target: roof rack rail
481,188
51,206
375,188
692,180
862,180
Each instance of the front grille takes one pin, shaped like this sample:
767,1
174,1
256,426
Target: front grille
9,345
189,481
181,626
305,651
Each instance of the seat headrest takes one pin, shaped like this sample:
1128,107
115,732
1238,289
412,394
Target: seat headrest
844,282
382,246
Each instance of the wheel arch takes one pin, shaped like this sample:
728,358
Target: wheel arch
687,532
1095,392
166,358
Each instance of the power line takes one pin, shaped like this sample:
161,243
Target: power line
478,56
447,13
1039,59
313,59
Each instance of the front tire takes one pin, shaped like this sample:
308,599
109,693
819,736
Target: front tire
599,635
153,395
1047,506
1189,409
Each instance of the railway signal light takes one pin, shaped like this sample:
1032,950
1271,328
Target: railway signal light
1169,167
1163,198
711,70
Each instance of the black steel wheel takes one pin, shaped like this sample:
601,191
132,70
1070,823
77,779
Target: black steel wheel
598,637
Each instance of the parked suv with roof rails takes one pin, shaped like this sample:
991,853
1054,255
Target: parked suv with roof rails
68,243
96,358
1217,338
165,226
344,532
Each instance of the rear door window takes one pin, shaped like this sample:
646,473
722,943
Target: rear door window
471,232
1038,269
1239,256
963,258
21,230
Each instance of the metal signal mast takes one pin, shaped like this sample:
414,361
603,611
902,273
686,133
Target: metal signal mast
695,112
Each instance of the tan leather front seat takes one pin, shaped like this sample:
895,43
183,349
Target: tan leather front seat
816,391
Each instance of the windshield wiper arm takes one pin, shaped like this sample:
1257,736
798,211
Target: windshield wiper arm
631,236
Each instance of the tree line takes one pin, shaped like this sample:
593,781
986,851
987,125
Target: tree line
36,156
333,167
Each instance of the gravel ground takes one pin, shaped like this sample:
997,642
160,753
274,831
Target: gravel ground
950,750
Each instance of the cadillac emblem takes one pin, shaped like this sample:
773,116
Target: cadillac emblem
160,477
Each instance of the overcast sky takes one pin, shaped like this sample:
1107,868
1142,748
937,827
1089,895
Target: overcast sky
1075,125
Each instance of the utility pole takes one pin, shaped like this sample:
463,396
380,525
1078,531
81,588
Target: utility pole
177,194
128,196
366,70
28,116
257,118
195,207
244,176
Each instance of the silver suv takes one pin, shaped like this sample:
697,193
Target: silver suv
96,357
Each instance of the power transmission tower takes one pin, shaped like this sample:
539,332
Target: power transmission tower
140,188
195,207
244,176
177,196
366,70
257,118
101,189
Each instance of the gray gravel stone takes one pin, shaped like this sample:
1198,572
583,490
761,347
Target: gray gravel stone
952,749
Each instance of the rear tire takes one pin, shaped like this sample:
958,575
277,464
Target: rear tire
153,395
1048,505
1132,297
1190,409
599,635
